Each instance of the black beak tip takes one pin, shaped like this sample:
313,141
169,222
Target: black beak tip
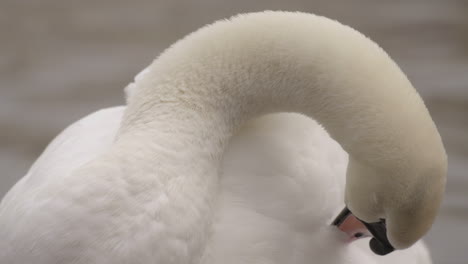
379,248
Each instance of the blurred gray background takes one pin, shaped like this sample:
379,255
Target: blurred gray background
60,60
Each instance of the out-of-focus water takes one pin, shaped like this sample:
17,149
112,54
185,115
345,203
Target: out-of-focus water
60,60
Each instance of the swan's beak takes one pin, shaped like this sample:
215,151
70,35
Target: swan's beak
351,226
356,228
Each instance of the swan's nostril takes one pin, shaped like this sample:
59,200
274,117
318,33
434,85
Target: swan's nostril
358,235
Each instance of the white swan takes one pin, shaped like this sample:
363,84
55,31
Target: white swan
155,195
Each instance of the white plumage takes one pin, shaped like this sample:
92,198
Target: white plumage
162,180
282,183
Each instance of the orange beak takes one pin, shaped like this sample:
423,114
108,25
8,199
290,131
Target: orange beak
356,229
353,228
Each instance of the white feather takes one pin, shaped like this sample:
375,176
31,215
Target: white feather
282,183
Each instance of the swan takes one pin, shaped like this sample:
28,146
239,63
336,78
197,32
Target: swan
198,168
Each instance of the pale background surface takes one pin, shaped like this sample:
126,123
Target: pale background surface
60,60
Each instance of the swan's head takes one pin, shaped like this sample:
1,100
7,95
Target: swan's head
406,188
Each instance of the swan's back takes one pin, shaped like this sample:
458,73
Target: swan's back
78,144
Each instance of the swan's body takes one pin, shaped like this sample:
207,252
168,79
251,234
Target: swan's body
154,188
282,182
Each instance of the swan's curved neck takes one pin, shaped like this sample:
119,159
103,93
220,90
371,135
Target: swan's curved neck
198,92
217,78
